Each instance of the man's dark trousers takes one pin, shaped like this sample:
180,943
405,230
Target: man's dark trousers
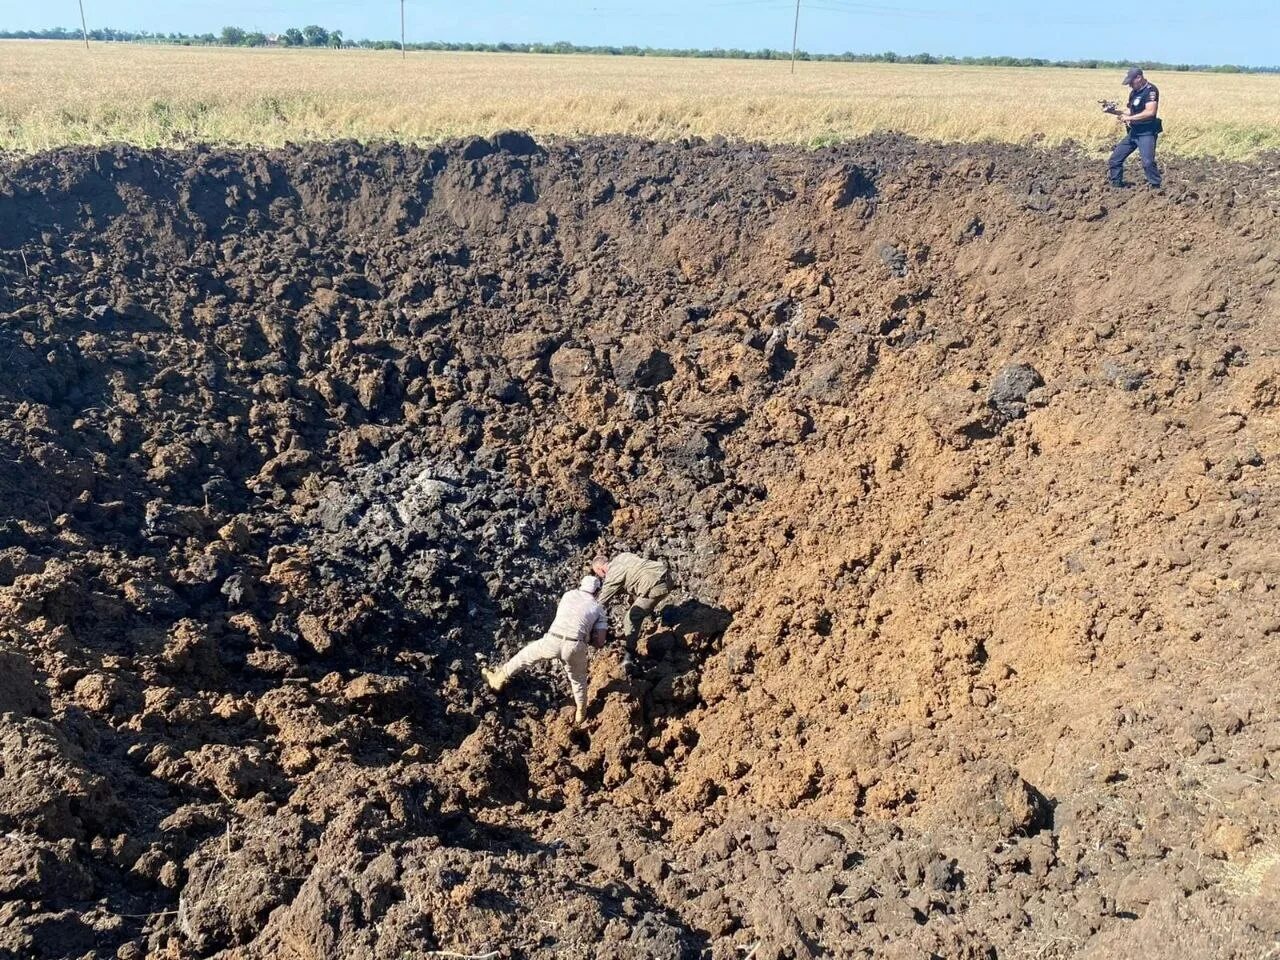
1145,144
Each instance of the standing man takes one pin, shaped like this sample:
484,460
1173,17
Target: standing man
579,618
1143,127
646,582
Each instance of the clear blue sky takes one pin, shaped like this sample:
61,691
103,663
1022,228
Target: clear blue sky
1195,31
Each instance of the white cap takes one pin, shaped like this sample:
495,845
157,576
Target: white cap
590,583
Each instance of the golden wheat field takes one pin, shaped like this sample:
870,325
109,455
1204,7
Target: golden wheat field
57,93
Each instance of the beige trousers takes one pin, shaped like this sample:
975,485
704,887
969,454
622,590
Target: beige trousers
573,653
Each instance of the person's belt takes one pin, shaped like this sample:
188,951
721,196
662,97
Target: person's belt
563,636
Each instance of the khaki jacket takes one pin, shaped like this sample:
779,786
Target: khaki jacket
631,575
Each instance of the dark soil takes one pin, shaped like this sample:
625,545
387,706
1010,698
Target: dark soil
966,468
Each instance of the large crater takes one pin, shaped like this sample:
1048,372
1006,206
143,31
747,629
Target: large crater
966,468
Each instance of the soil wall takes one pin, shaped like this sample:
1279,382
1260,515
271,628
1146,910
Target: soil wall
965,467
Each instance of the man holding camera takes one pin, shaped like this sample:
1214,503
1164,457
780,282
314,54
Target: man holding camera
1143,127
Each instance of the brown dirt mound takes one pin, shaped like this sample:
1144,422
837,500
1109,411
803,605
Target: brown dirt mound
966,468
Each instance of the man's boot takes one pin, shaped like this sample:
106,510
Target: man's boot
495,678
578,716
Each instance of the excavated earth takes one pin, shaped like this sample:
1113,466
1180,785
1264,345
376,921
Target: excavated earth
967,469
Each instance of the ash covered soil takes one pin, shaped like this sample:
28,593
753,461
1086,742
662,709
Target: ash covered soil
965,467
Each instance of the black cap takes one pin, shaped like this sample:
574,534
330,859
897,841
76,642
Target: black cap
1133,72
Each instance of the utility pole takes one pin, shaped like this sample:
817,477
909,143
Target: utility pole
403,53
795,32
84,30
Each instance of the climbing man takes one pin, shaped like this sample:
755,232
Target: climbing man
1142,128
646,582
579,618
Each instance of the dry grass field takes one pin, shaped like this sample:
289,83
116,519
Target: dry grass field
56,93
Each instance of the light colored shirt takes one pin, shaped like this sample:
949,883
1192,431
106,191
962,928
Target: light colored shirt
578,615
632,575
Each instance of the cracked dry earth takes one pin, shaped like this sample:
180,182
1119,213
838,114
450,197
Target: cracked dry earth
966,470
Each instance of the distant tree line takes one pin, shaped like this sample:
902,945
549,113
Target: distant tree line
316,36
308,36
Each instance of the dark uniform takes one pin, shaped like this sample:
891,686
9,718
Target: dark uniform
1141,137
